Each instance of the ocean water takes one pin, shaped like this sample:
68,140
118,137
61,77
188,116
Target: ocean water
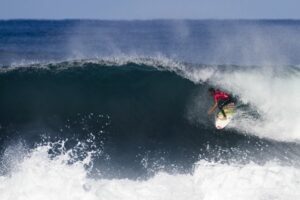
94,109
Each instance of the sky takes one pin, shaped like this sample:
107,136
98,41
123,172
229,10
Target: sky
149,9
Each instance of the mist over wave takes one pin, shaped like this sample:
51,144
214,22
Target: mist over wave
241,42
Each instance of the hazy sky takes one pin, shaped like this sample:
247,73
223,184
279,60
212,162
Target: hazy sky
150,9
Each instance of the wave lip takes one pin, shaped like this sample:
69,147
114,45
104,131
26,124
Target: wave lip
159,62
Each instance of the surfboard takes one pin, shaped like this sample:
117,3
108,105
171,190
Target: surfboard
220,121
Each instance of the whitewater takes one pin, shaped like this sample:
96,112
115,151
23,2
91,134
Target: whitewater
117,109
39,177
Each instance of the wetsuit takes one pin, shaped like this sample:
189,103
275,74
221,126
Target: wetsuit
223,99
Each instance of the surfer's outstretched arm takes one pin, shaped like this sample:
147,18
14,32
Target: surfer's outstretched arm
213,108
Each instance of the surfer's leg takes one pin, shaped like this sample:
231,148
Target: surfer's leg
221,104
223,113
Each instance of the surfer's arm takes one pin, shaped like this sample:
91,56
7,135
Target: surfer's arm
213,108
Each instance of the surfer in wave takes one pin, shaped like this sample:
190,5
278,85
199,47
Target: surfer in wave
221,99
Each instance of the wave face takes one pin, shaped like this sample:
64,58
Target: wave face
106,124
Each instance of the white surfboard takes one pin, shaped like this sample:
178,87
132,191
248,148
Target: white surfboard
221,122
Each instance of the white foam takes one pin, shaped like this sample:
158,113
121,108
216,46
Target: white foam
273,92
39,177
275,97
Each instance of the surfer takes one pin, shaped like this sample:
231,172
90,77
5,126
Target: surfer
221,99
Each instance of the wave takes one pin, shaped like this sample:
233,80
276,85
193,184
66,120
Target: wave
137,128
269,91
148,114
